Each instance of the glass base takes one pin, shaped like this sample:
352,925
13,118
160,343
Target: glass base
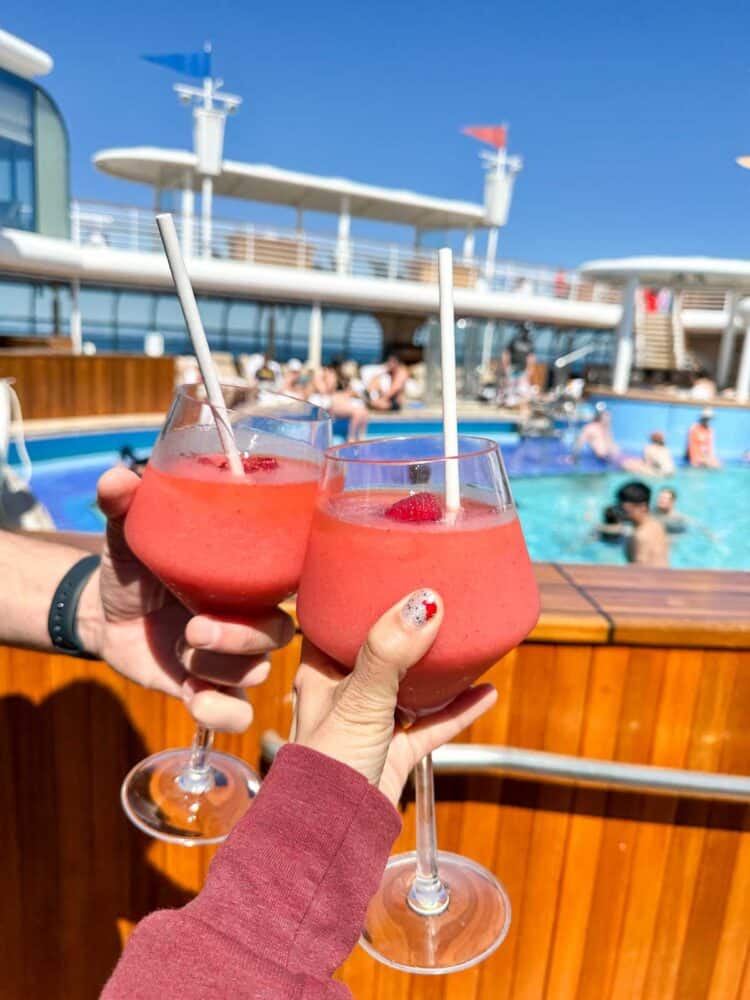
167,800
472,926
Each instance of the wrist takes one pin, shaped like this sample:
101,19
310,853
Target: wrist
90,616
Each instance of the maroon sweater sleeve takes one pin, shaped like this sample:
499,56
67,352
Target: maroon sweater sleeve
284,899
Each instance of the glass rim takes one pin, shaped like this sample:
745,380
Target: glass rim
317,414
332,453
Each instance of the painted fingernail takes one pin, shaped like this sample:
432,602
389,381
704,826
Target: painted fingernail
420,608
204,632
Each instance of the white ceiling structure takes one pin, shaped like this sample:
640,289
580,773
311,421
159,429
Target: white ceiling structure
175,169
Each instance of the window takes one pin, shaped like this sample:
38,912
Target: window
34,160
16,153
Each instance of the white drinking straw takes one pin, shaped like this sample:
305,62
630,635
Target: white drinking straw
185,294
448,365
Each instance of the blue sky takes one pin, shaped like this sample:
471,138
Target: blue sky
628,116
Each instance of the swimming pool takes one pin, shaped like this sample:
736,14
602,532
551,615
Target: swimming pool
559,503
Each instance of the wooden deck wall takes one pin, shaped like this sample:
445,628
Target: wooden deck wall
54,385
615,895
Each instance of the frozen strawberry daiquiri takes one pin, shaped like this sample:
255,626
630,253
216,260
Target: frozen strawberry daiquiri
229,543
225,544
370,547
381,531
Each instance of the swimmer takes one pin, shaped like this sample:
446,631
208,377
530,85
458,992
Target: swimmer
657,458
598,437
612,529
673,520
648,545
136,463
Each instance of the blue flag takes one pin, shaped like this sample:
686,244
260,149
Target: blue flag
197,64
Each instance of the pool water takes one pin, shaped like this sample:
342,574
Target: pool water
559,514
559,503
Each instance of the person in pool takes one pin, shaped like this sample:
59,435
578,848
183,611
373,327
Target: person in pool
701,450
132,460
612,528
648,545
674,521
656,460
598,438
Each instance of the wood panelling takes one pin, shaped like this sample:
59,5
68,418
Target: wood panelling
630,897
52,385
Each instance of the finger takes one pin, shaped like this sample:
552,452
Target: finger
240,638
114,494
432,731
218,668
398,640
115,491
227,710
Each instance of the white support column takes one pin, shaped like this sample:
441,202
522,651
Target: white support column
487,338
207,192
726,347
299,235
468,250
678,331
315,336
491,257
743,375
625,339
76,325
187,212
342,245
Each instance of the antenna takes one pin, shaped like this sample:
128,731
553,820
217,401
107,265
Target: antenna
210,108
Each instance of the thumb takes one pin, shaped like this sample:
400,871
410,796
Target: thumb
115,491
398,640
114,494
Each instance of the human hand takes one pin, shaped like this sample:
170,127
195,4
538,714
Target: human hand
352,718
128,618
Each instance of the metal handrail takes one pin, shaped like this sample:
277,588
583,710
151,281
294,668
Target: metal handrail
539,765
133,228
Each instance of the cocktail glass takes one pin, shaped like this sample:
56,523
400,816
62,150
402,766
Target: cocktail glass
381,530
225,545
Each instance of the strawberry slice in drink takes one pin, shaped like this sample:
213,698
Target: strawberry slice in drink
415,508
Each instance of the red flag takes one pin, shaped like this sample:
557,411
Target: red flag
493,135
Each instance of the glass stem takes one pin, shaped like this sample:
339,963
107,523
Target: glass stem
197,776
428,896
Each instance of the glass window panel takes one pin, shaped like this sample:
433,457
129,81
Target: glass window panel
212,313
242,317
169,315
97,305
51,159
16,121
135,312
16,301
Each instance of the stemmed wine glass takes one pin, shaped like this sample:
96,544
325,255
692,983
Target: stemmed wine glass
227,545
381,530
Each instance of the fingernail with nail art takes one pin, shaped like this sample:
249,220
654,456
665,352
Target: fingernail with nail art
420,608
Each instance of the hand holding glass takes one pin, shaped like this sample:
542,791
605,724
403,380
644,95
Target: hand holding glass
380,530
227,545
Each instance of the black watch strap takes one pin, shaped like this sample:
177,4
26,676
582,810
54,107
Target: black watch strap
61,622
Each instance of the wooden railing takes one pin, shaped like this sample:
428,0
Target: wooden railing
52,384
615,895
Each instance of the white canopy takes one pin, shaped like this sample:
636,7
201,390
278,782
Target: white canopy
174,168
22,59
672,272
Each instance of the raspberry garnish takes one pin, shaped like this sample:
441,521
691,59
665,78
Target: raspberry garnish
415,508
250,463
259,463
